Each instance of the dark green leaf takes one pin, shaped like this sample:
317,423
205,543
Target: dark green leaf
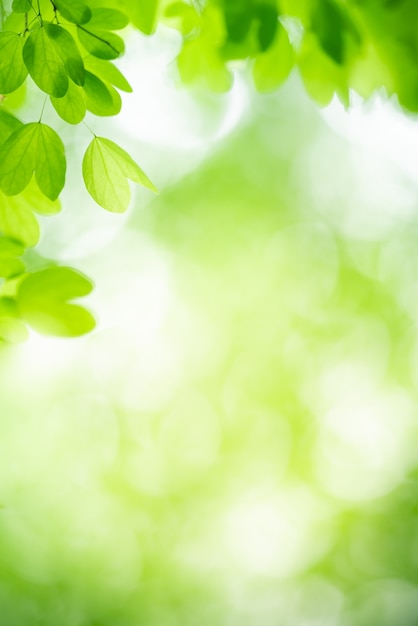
44,301
268,17
44,63
101,43
106,168
12,68
74,11
32,148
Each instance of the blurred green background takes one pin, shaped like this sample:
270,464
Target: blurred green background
235,445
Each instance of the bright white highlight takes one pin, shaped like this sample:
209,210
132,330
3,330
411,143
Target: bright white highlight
274,535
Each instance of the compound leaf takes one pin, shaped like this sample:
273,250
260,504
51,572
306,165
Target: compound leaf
106,170
13,71
32,148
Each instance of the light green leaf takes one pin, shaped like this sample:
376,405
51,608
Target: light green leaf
17,219
74,11
101,98
142,13
21,6
8,124
72,107
107,19
107,72
68,52
44,301
44,63
273,67
32,148
101,43
106,168
10,265
12,329
12,68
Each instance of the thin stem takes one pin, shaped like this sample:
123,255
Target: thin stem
42,112
88,128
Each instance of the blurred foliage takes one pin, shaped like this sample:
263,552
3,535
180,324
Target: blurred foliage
67,49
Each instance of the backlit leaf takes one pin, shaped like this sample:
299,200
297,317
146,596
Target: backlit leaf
33,148
74,11
21,6
13,71
68,52
106,168
101,43
44,301
101,98
44,63
72,107
107,72
107,19
8,124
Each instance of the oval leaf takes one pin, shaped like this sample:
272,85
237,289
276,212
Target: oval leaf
102,98
44,63
106,168
101,43
72,107
74,11
68,52
13,71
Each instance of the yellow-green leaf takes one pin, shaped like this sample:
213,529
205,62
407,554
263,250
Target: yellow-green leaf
106,170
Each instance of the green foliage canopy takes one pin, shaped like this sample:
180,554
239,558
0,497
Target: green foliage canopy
67,48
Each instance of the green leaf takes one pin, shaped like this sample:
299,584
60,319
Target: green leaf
101,43
10,265
107,19
74,11
8,124
101,98
12,329
273,67
21,6
72,107
107,72
106,168
44,62
142,13
17,219
12,68
68,52
44,301
32,148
